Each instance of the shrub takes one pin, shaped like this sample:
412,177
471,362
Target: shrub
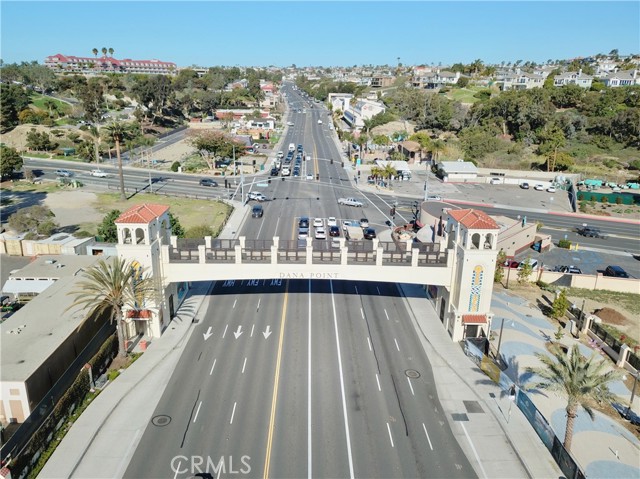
174,166
582,207
618,200
604,199
559,307
580,196
563,243
113,374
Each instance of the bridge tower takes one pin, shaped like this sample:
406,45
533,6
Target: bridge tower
142,230
465,308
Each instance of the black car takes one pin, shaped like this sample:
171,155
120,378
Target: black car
304,222
616,272
369,233
590,232
257,211
524,186
334,231
208,182
274,172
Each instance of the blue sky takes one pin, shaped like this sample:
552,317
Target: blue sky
326,33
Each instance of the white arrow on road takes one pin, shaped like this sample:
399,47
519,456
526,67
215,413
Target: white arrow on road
238,332
208,334
267,333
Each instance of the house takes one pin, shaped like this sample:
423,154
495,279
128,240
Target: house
411,150
622,78
436,79
457,170
339,101
573,78
60,63
361,110
520,81
381,81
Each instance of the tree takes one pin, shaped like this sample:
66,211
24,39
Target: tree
582,381
104,51
91,96
524,271
111,50
176,227
107,230
40,141
10,161
435,148
498,274
95,52
119,132
213,145
35,220
110,286
13,100
560,305
551,140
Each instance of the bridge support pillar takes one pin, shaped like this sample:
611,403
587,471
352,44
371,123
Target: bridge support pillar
274,255
344,252
207,242
378,256
414,257
238,249
408,249
202,254
174,241
243,240
276,241
375,242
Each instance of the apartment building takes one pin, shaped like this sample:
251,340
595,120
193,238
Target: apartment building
60,63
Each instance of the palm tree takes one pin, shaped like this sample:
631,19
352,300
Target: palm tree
583,382
109,286
436,147
119,132
104,51
95,52
111,50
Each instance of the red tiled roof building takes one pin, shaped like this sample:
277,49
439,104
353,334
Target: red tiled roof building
60,63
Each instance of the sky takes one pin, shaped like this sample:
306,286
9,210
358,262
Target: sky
321,33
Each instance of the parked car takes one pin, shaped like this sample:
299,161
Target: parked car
616,272
524,186
567,269
303,233
208,182
364,222
257,211
320,233
331,221
99,173
511,264
252,195
274,171
369,233
64,173
532,262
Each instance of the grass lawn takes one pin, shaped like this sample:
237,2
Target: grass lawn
629,301
464,95
39,101
189,211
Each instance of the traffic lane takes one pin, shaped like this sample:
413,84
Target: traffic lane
427,432
374,412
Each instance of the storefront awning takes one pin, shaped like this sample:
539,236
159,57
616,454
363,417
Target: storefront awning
474,319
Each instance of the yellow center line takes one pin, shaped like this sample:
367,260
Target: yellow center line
274,401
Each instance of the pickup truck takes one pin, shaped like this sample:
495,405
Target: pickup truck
591,232
350,202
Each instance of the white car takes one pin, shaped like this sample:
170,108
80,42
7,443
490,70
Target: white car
538,187
320,233
495,181
252,195
331,221
318,222
434,198
99,173
551,189
290,123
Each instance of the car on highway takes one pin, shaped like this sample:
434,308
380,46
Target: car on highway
64,173
280,154
319,122
208,182
538,187
303,233
274,171
253,195
524,186
590,231
551,189
318,222
257,211
304,222
331,221
320,233
346,223
334,230
350,202
616,272
364,222
99,173
290,123
495,181
434,198
369,233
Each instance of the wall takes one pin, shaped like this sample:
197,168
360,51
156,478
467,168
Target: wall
586,281
14,401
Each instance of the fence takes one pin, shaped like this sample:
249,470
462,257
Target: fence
563,458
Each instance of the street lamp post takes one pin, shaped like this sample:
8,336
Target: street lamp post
499,340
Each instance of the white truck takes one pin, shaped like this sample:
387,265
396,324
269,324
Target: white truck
349,202
292,147
285,171
353,233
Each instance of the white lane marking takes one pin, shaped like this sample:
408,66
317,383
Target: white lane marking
390,437
427,434
475,453
369,341
378,290
309,449
252,328
396,341
378,381
410,386
245,365
258,307
357,290
233,412
197,411
212,366
225,331
234,303
362,313
178,469
385,313
344,401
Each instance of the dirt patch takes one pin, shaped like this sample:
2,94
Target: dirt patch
611,316
66,206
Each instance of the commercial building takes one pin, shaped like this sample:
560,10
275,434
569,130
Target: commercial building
60,63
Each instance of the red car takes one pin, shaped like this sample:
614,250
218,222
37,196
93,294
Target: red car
511,264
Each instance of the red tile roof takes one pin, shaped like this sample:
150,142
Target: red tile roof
141,214
474,319
474,219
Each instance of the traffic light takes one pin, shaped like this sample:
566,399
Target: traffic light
317,176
